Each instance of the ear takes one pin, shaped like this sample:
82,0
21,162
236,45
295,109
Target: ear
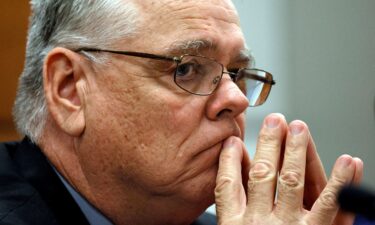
64,85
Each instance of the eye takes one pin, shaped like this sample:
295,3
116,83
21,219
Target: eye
185,69
188,71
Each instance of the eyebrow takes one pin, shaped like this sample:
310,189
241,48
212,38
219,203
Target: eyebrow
191,46
244,57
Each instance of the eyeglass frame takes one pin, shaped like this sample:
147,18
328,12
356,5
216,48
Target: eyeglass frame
178,59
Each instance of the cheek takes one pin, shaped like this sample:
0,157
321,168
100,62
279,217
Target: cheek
142,134
152,152
135,132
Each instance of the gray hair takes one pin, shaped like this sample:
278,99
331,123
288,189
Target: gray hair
71,24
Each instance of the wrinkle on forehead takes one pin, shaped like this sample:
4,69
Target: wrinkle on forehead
168,18
220,9
153,3
189,26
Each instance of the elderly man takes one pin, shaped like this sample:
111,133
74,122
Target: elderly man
133,113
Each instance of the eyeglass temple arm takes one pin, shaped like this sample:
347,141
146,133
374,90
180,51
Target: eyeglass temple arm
129,53
234,77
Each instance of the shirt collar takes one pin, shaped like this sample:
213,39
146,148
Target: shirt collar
91,213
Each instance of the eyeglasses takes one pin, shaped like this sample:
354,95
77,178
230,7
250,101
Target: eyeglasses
200,75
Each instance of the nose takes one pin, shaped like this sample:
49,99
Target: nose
227,100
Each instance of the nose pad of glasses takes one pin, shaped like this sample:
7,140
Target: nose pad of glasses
233,76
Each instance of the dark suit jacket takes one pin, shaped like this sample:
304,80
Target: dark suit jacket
32,194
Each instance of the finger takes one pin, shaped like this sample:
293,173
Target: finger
230,196
292,174
325,208
264,167
346,218
358,170
315,179
246,163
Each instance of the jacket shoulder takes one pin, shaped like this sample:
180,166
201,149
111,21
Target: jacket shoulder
20,203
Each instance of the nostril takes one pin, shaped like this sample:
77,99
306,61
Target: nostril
223,112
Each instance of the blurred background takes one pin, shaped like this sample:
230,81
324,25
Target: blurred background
13,26
322,55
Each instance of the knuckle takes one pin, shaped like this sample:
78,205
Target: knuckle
290,179
226,156
259,173
293,144
222,183
328,200
262,170
338,181
268,140
297,143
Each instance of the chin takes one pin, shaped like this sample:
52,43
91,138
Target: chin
193,197
201,191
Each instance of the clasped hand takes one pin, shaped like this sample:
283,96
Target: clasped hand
286,165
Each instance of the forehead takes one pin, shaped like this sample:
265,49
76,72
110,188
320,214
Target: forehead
178,24
219,8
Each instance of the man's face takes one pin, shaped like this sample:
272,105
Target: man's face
142,131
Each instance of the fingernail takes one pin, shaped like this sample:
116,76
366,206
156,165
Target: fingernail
345,161
296,127
228,142
272,121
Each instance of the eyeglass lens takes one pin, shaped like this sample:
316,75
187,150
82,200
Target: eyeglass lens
255,90
201,75
198,75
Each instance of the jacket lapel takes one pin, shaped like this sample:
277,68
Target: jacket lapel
36,169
